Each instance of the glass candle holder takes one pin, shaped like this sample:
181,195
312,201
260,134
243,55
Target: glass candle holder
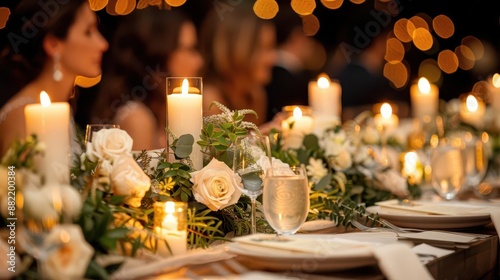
185,111
298,122
170,224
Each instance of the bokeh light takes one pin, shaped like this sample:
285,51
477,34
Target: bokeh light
303,7
395,50
422,39
97,5
465,57
429,68
401,30
475,45
85,82
448,61
332,4
443,26
265,9
4,16
310,25
175,3
396,73
357,1
120,7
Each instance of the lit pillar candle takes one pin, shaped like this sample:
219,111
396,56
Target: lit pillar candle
185,113
472,111
170,221
296,126
325,97
50,122
386,119
424,99
494,91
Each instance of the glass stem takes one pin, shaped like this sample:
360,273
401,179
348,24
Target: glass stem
252,217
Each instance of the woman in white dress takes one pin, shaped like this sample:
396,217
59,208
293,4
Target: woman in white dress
47,46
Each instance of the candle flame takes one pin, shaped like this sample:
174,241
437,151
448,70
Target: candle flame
323,81
496,80
297,113
472,104
424,86
386,110
185,86
170,207
44,99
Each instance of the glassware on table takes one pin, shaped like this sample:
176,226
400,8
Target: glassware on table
91,128
476,160
448,167
252,154
286,198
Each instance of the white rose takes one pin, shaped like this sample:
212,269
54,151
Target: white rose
341,161
71,258
129,180
109,144
67,195
37,205
265,163
216,185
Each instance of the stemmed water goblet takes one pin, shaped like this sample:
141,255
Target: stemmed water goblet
286,198
252,154
448,167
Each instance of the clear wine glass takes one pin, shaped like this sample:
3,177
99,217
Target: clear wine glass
91,128
252,155
476,160
448,167
286,198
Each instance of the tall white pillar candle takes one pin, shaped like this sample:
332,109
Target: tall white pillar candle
325,97
51,123
185,113
424,99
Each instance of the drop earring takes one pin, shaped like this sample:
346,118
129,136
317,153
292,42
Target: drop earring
57,75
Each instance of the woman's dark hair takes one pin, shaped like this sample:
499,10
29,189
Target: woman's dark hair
136,66
21,51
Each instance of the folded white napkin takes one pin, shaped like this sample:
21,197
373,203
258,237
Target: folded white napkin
397,261
137,268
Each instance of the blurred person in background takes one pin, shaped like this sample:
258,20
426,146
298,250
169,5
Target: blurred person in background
148,46
289,84
239,51
67,45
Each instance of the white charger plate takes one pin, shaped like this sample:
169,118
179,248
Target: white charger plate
412,219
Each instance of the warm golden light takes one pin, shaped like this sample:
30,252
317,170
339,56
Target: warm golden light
97,5
265,9
475,45
386,110
64,236
422,39
410,164
401,30
44,99
394,51
303,7
448,61
496,80
323,81
472,104
4,16
310,25
397,73
443,26
465,57
332,4
85,82
297,113
170,207
175,3
185,87
430,69
424,86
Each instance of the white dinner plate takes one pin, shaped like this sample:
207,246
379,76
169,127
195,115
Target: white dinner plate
428,221
265,258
